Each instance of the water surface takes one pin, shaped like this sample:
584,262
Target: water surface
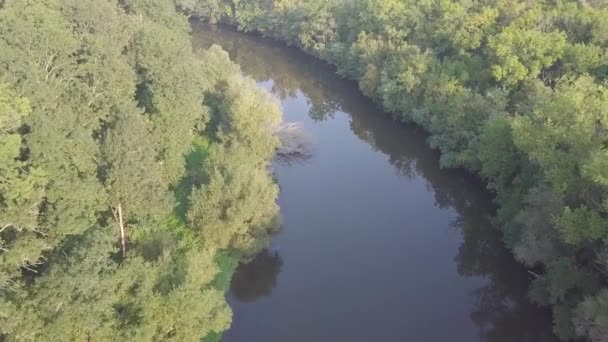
378,242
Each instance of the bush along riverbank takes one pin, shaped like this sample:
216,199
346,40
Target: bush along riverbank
513,90
134,174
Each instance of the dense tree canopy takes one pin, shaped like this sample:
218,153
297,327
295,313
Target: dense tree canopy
514,90
111,131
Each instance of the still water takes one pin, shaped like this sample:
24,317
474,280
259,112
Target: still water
378,242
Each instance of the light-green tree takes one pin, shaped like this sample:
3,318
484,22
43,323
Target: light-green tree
21,193
100,104
521,53
235,208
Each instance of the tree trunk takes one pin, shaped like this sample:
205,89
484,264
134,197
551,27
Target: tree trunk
122,230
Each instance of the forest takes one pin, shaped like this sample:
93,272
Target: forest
513,90
134,173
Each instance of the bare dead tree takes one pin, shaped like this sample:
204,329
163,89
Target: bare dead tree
117,212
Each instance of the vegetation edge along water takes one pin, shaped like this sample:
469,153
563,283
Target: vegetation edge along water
513,90
134,173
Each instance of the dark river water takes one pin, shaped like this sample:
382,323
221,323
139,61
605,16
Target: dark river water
378,242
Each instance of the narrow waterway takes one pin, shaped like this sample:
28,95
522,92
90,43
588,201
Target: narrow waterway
378,242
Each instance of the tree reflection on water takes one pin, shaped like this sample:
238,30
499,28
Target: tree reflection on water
256,278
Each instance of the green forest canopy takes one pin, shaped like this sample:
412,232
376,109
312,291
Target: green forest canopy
133,173
512,89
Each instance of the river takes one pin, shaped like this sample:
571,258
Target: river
378,242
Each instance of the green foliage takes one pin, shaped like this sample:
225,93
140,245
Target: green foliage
317,30
21,192
565,131
235,208
592,317
170,93
402,74
564,276
133,176
581,225
582,58
562,322
211,10
522,53
561,287
538,241
98,298
194,175
501,161
103,105
64,115
226,264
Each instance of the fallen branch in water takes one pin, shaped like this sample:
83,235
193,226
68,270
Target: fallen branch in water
296,145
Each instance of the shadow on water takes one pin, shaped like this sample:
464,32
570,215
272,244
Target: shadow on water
500,310
257,278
